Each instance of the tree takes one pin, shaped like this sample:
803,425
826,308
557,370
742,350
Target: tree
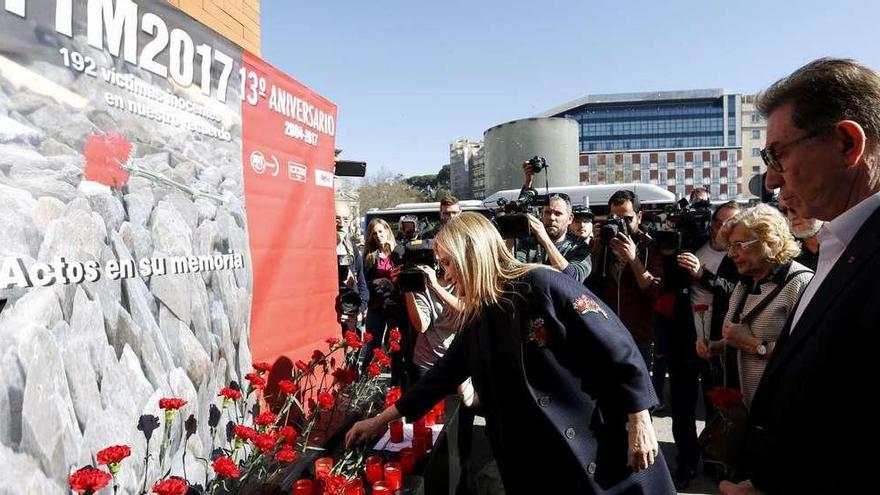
386,189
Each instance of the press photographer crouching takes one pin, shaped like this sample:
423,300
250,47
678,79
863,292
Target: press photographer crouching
550,243
351,304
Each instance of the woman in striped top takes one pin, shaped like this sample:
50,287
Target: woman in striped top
760,244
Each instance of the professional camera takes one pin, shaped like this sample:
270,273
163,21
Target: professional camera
348,302
417,252
612,226
511,219
692,222
538,163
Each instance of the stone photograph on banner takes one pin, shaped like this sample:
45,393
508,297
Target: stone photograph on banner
125,272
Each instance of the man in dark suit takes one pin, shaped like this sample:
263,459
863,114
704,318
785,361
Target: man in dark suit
807,431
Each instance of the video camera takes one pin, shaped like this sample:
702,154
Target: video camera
416,252
684,226
348,302
510,216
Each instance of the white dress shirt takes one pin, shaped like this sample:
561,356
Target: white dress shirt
834,238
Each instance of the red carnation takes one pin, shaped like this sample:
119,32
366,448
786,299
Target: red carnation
286,455
395,334
226,468
264,441
112,456
333,341
725,398
317,355
105,156
229,393
699,308
395,346
172,486
392,396
244,432
287,386
300,365
325,400
289,434
171,404
262,367
88,480
256,381
374,370
345,375
368,337
352,340
265,419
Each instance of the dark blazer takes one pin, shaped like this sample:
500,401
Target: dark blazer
810,429
556,381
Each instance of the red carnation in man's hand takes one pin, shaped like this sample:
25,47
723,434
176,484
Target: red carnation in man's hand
104,156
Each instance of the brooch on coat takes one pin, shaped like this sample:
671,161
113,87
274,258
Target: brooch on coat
538,332
586,304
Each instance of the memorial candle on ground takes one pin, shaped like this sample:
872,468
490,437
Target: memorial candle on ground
382,488
323,466
374,469
407,460
303,487
393,475
396,428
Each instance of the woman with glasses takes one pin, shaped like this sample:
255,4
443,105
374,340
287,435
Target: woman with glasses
761,246
563,386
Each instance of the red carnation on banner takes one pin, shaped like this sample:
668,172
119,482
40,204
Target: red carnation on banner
333,341
105,157
302,366
172,404
226,468
325,400
88,480
112,456
287,387
256,381
172,486
265,419
289,434
725,398
244,432
264,441
285,455
262,367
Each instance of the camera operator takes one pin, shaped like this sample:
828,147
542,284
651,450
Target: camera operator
449,209
407,229
354,294
552,244
628,270
699,195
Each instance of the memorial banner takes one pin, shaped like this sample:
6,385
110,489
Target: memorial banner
138,225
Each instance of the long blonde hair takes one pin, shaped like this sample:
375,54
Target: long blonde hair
371,245
484,264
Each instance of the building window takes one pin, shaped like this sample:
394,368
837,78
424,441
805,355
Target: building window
756,118
756,151
756,169
756,134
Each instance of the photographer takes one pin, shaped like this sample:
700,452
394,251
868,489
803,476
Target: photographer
622,277
551,244
354,295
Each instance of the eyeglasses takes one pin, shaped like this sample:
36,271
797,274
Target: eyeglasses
737,246
771,156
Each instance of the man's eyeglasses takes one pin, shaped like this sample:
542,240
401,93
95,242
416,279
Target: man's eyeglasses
771,155
737,246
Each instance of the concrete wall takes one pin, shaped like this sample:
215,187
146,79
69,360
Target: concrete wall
237,20
507,146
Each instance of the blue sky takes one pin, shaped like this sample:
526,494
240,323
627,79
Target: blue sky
410,76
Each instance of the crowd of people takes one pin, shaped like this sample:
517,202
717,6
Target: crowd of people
564,339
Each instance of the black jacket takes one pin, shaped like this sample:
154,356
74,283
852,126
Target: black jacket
557,374
810,429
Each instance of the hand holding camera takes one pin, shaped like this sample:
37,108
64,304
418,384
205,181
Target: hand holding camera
624,247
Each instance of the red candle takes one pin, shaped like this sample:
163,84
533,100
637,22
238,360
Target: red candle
393,475
354,487
323,466
382,488
374,469
396,428
407,460
303,487
420,446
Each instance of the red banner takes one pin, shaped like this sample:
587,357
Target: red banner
288,144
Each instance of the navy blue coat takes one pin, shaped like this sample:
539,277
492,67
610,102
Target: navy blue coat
557,374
